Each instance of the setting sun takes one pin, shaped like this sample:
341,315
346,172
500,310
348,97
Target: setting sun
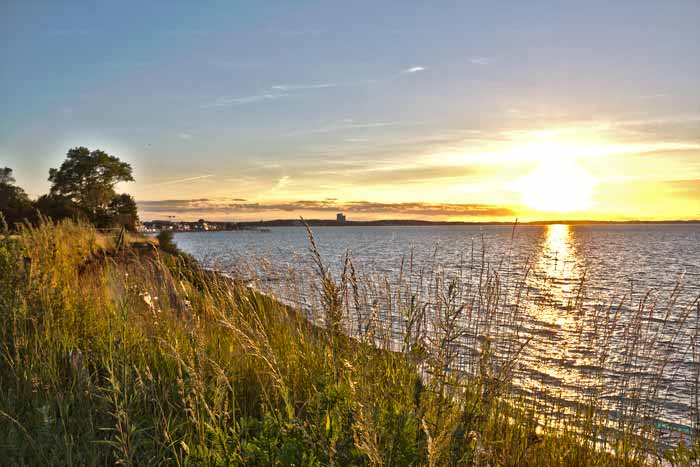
557,186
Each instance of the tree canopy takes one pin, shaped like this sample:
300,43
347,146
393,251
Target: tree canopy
6,177
14,202
87,178
122,211
83,187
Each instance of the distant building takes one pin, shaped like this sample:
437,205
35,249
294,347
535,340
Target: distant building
340,217
187,226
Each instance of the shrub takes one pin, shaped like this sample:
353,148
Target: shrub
166,242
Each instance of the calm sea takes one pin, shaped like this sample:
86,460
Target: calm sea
603,307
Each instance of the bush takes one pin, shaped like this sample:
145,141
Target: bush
167,242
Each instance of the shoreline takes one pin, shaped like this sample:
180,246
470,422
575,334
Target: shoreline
264,226
418,222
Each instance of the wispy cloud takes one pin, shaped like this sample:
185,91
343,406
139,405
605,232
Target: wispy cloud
185,136
231,101
480,60
357,140
183,180
282,182
298,87
648,97
364,208
676,119
418,173
279,91
689,188
346,125
303,86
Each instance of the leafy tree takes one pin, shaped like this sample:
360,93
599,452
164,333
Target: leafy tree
122,211
6,177
58,207
15,205
87,178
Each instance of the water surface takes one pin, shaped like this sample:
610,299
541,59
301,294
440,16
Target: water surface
604,309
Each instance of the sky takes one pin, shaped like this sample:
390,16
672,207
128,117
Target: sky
424,110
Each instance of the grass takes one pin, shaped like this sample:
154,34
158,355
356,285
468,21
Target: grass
114,351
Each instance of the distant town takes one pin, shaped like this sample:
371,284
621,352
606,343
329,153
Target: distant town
197,226
203,225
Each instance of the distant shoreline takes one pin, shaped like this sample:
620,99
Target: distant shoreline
410,222
204,225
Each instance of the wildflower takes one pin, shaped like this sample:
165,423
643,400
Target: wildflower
150,301
147,299
76,359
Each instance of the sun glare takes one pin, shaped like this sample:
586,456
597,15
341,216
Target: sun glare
557,185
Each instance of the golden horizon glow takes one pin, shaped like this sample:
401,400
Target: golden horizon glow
558,183
569,118
587,172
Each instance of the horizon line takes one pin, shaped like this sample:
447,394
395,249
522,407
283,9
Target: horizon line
334,222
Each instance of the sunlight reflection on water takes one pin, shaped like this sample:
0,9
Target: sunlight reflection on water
584,285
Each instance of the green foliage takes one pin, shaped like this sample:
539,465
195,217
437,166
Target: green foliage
15,205
6,177
82,188
136,357
58,207
166,242
87,178
122,211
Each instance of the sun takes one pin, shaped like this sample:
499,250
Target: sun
557,185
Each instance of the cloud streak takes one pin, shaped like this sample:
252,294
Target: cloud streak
279,91
298,87
183,180
233,101
687,188
479,60
346,125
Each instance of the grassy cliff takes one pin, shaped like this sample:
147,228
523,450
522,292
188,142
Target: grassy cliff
114,351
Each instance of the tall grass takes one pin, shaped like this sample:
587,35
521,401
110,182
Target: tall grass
123,353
